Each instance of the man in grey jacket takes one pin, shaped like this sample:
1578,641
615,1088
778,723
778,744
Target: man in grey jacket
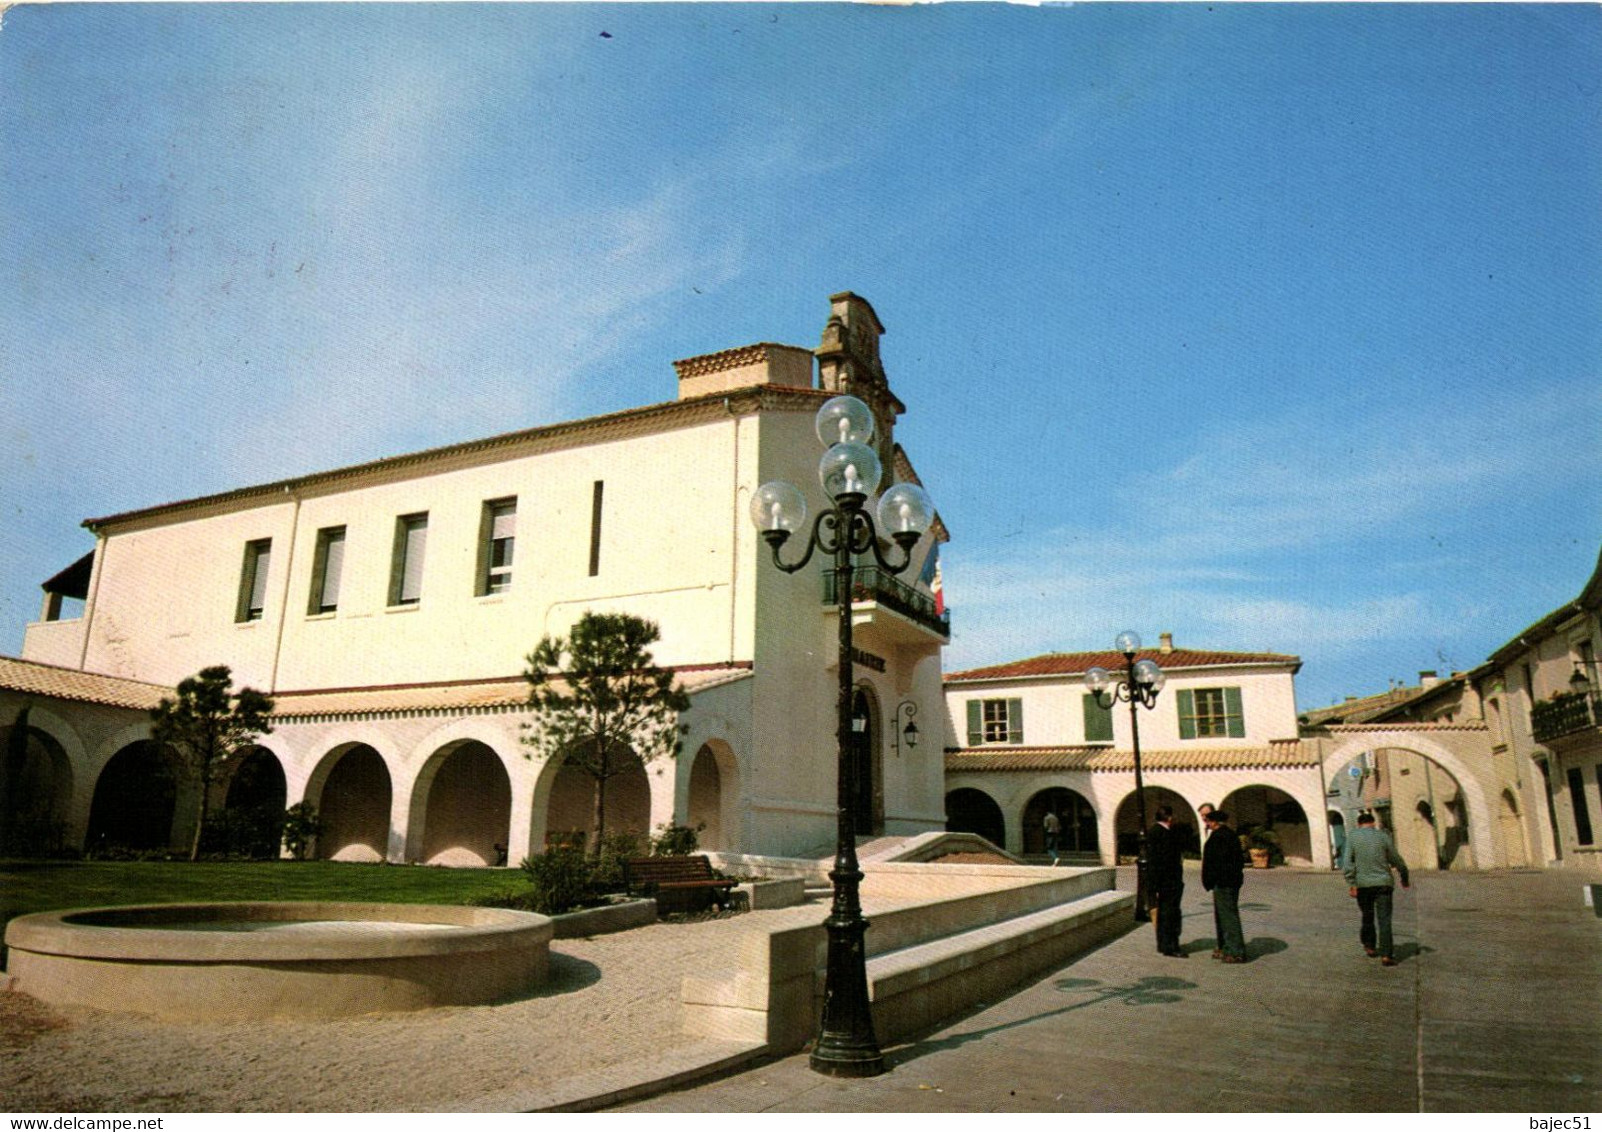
1370,855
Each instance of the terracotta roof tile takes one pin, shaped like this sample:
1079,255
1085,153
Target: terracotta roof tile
1405,725
32,678
463,695
1077,663
1280,753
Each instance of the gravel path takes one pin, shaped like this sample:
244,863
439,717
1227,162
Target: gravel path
611,1000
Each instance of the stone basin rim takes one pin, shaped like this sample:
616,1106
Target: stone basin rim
134,932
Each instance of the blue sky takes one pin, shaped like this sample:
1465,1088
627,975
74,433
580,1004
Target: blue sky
1273,326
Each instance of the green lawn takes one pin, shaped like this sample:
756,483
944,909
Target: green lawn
39,886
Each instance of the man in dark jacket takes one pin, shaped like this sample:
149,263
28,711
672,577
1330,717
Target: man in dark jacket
1223,872
1165,880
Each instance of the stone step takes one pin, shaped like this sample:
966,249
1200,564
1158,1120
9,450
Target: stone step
914,987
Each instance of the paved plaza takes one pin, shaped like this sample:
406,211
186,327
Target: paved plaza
1496,1006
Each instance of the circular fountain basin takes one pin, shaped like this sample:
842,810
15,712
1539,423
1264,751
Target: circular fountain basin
218,962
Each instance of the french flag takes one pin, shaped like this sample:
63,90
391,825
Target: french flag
930,577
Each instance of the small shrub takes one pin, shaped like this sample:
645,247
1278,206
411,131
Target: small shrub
606,870
301,827
560,877
676,840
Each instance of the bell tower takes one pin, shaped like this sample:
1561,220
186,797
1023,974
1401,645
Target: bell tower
848,362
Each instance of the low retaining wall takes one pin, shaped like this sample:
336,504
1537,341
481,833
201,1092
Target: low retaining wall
994,926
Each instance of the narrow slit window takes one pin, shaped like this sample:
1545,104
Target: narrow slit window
327,567
595,529
406,573
253,580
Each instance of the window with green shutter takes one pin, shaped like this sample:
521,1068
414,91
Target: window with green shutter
1210,713
1098,721
995,721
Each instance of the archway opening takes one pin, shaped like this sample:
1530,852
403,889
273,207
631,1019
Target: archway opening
1126,824
251,820
468,811
1076,820
1413,798
353,806
1267,808
706,799
973,811
864,765
570,813
35,793
134,802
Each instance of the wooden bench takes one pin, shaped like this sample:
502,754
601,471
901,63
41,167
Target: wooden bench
680,884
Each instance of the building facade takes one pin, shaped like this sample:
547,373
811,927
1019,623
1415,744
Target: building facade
387,609
1027,738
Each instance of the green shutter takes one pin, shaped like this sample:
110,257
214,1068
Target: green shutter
1098,721
1187,713
1015,721
1237,718
976,726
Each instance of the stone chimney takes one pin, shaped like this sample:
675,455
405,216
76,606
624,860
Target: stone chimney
764,363
1167,643
1428,679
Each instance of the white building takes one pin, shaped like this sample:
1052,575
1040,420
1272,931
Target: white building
387,609
1027,737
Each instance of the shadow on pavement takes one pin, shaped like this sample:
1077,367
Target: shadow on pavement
1149,990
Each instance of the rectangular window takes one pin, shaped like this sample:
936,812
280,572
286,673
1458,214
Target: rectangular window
253,580
995,721
1098,721
595,529
1210,713
1582,812
327,565
406,568
497,539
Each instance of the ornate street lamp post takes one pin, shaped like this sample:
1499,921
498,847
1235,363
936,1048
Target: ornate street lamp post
1139,685
849,470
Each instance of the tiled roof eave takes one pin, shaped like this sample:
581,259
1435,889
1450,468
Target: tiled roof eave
1278,754
645,418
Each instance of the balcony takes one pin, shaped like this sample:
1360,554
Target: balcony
870,583
1564,715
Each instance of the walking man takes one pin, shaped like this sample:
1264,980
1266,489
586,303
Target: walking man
1223,873
1370,856
1053,826
1165,880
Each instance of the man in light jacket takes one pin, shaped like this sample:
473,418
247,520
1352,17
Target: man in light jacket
1370,855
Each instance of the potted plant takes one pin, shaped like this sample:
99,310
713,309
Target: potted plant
1261,845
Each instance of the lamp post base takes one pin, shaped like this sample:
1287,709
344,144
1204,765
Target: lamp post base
847,1063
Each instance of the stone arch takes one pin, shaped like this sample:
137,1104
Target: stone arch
865,762
352,790
36,792
971,810
1515,843
1126,822
461,807
1472,817
1419,802
135,801
250,820
711,794
564,802
1075,814
1257,805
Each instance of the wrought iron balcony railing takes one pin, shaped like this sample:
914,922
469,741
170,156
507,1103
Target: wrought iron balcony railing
869,583
1564,715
